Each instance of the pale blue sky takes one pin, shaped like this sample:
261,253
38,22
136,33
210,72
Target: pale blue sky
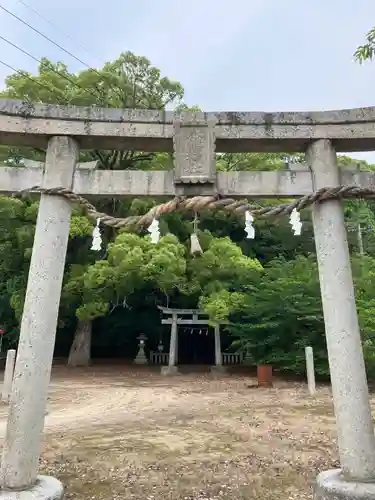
248,55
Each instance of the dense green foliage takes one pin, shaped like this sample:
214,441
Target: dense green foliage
266,290
283,315
366,51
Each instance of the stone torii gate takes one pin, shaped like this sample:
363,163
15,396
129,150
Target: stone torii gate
195,319
194,138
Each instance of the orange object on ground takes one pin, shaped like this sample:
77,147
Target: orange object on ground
264,374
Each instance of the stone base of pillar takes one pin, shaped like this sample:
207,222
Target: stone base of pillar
168,370
219,369
331,485
46,488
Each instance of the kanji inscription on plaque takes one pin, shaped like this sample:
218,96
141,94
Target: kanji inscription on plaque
194,152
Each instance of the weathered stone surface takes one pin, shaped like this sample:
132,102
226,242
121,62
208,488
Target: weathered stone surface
122,183
18,108
148,130
45,488
87,165
194,153
331,485
39,320
348,376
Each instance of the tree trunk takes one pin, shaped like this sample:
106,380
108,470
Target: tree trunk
80,352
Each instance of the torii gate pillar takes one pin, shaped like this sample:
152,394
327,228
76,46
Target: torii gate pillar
348,377
23,437
172,369
218,367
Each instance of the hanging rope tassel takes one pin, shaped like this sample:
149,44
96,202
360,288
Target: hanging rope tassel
154,231
249,228
96,237
195,247
296,223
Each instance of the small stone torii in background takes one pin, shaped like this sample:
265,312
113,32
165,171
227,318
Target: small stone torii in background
194,138
195,319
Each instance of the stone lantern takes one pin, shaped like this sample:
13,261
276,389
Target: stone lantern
141,356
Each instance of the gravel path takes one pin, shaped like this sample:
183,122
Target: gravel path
111,433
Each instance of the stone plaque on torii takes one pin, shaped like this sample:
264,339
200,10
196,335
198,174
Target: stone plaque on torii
194,138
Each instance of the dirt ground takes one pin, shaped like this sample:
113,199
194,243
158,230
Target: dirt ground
113,434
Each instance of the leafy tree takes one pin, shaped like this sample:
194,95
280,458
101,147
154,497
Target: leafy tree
133,264
283,315
221,277
17,220
251,161
366,51
223,265
128,82
364,274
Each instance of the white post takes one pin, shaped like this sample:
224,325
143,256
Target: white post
348,377
310,370
218,356
38,327
8,376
